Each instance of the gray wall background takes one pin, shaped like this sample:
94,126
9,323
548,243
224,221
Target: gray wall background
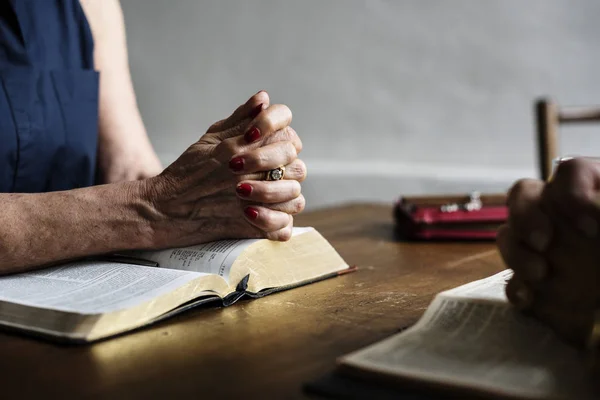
389,97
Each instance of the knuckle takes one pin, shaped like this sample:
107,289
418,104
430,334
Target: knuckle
269,221
299,204
298,170
285,234
268,193
209,138
290,150
269,123
519,188
215,127
575,178
298,144
572,168
287,112
296,188
521,194
293,137
282,235
261,159
271,236
232,132
291,134
279,136
258,159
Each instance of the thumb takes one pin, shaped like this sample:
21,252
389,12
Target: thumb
572,195
248,110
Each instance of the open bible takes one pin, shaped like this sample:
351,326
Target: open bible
92,299
470,339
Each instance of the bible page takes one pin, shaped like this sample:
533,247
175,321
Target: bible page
479,341
491,288
210,258
91,287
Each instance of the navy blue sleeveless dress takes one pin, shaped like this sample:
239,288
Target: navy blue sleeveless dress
48,97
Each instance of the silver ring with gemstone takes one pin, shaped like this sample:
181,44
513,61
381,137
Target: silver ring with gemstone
276,174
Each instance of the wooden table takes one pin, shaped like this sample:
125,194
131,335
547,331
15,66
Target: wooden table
269,346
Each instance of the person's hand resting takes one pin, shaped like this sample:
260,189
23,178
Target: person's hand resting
217,187
552,243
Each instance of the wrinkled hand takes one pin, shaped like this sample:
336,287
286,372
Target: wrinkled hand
552,242
216,188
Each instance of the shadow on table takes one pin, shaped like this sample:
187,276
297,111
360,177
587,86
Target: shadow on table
338,386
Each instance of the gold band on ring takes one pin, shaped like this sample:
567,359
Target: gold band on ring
276,174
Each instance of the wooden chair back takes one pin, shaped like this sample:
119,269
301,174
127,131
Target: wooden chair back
549,117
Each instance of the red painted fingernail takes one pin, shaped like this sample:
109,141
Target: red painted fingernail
244,189
236,164
257,110
251,213
252,135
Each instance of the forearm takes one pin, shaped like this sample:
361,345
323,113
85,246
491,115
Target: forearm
119,116
124,149
41,229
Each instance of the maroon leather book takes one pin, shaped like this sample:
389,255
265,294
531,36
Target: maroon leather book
474,217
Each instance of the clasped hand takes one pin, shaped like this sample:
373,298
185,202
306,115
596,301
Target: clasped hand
217,189
552,243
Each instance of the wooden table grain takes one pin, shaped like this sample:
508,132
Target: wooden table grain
267,347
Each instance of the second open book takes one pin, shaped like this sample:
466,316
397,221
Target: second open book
88,300
470,339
